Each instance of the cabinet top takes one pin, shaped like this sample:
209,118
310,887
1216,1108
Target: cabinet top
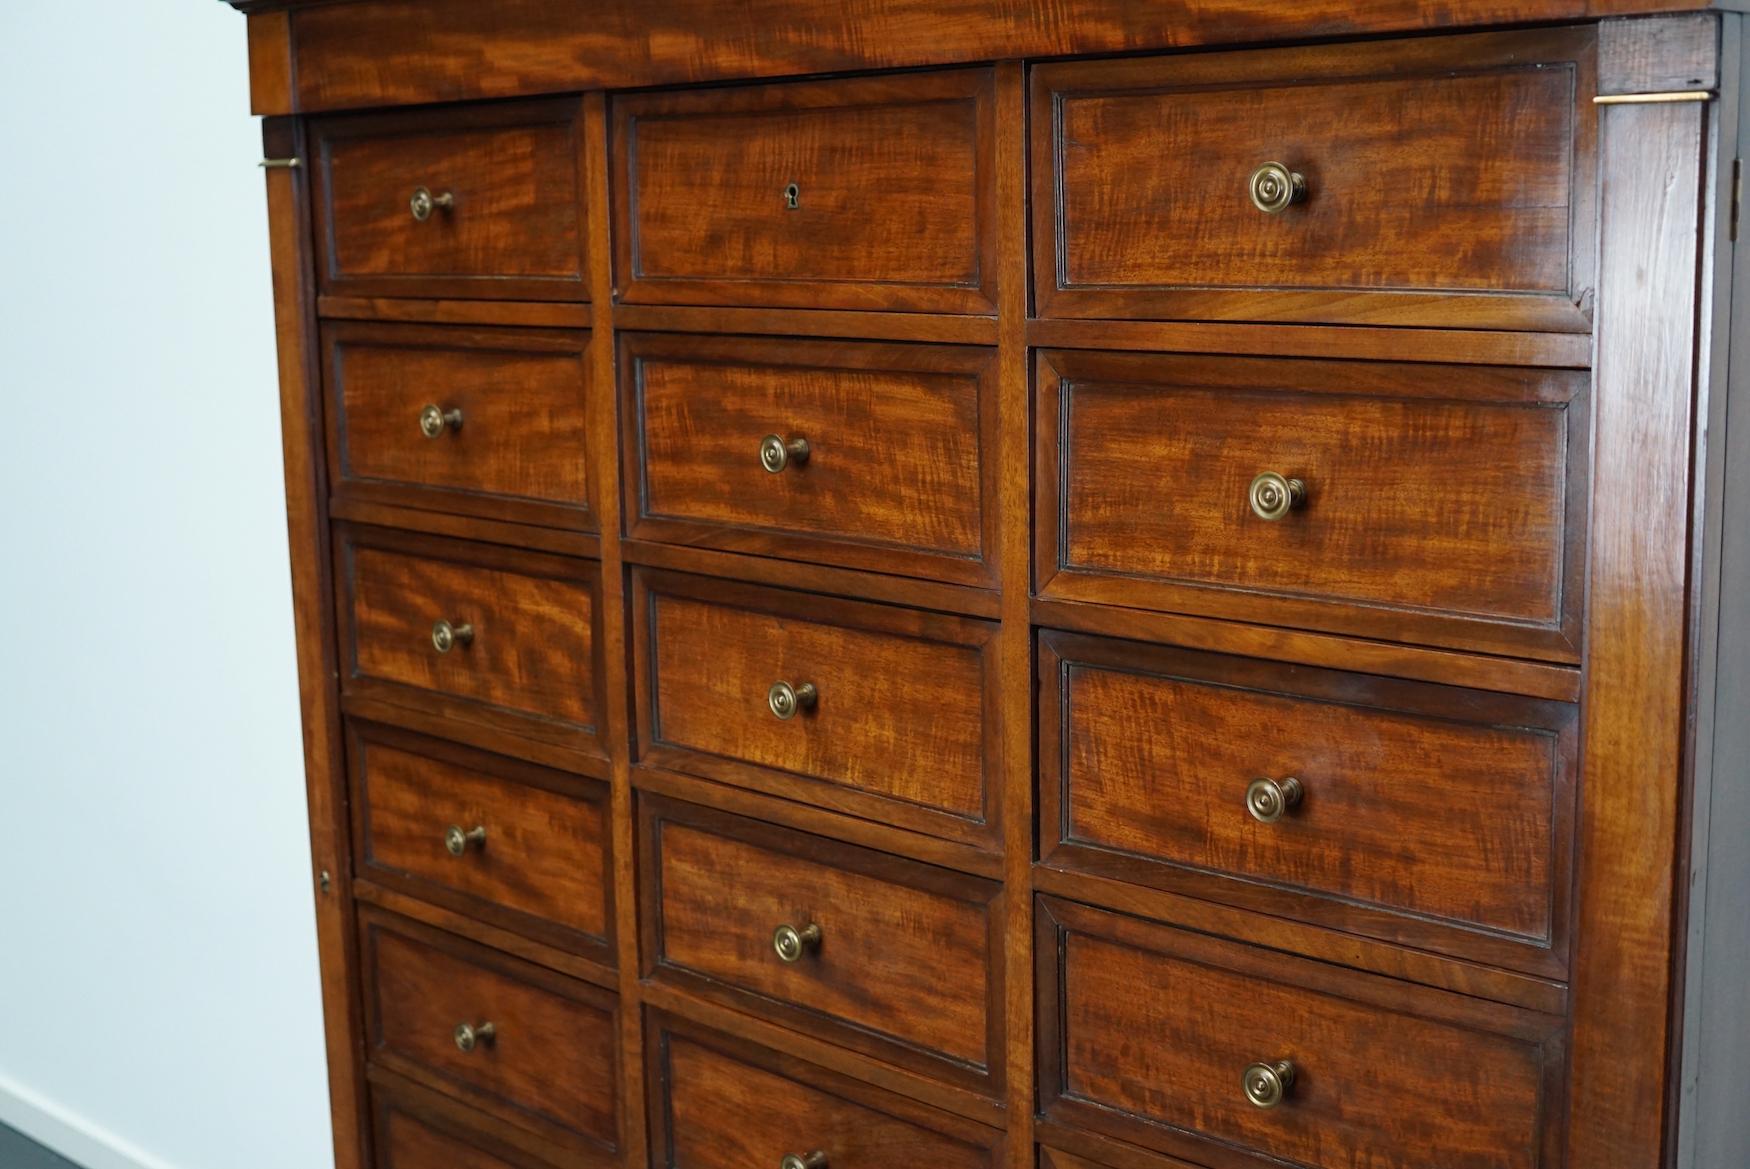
315,55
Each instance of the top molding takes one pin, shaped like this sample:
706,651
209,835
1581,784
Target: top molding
309,56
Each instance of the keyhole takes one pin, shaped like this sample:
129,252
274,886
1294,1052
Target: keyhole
792,197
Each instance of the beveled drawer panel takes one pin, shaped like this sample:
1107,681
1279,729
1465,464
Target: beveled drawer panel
723,1103
1444,181
415,1128
528,1045
518,845
520,629
879,954
1440,504
481,422
1148,1033
504,213
1423,814
894,477
889,706
861,193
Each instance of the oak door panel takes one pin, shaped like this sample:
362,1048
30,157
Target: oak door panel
1449,181
856,193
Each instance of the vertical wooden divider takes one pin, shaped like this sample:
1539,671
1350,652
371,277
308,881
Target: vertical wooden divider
1015,646
604,452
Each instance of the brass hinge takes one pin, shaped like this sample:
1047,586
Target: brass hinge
1737,195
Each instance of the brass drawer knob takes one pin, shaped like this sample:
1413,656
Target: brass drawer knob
1268,1084
785,699
457,840
446,636
1268,800
776,452
435,422
1275,188
1272,496
468,1036
792,943
424,203
814,1160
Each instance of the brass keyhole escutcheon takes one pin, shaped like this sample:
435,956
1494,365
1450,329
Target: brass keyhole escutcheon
1275,188
792,197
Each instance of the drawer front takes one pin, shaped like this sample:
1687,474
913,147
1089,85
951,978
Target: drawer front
1429,815
893,478
522,846
418,1129
520,629
721,1103
548,1062
895,727
1440,504
511,227
482,422
888,956
867,193
1446,181
1152,1032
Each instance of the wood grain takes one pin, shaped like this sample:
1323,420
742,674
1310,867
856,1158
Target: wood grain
1444,181
516,230
896,477
905,965
519,452
1444,505
892,211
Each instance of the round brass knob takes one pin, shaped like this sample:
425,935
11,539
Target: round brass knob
435,422
1268,1084
776,453
446,637
1272,496
791,943
468,1036
1269,800
785,699
1275,188
457,840
814,1160
424,203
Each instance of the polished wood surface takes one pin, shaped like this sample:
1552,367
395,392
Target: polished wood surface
906,953
1142,172
545,860
1156,1027
899,729
550,1061
895,479
1443,505
1450,811
517,450
1014,294
515,229
869,193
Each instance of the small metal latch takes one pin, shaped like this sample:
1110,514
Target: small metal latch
792,197
281,163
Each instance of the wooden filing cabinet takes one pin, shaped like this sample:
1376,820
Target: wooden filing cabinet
1082,586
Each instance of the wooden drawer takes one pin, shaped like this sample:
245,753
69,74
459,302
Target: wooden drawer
528,661
514,226
1423,814
722,1103
866,193
894,479
1443,504
549,1064
480,422
904,965
900,729
1449,181
1147,1031
418,1129
534,852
